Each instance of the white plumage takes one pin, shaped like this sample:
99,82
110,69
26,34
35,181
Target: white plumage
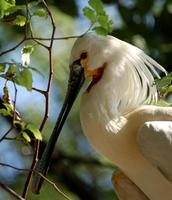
128,70
116,118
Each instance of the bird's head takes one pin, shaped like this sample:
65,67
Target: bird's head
124,68
92,52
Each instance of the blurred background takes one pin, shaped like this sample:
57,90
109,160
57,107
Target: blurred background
77,169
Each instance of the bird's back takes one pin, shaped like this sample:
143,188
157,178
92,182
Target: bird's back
122,148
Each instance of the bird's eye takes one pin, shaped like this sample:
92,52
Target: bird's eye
83,55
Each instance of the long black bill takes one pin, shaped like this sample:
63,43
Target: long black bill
75,82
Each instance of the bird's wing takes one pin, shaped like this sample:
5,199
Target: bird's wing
155,142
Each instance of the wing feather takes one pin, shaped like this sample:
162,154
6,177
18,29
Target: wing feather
155,143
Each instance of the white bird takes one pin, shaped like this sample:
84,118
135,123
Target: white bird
116,115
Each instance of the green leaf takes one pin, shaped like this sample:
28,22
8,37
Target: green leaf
4,112
164,85
98,15
34,3
27,49
41,12
103,20
97,5
20,20
34,131
4,6
90,14
11,2
163,103
20,123
6,97
164,82
14,9
2,68
25,136
100,30
7,111
24,78
8,107
11,71
109,27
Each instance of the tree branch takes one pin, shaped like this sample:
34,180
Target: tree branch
46,94
13,48
46,179
11,192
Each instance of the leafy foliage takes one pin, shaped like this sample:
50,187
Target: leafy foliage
162,102
27,130
27,49
17,73
90,14
2,68
40,12
7,110
25,136
24,78
5,6
20,74
20,20
98,17
164,82
9,8
164,85
34,131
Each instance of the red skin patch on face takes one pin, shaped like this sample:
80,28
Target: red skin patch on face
96,76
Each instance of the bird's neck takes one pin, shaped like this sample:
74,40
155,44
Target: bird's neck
110,99
102,105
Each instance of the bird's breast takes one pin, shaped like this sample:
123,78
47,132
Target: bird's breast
107,134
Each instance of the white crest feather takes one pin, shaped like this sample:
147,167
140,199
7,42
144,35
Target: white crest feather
130,77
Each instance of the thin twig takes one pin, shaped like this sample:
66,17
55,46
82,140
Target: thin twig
56,38
46,94
11,138
38,173
13,48
7,132
9,63
11,192
14,103
36,40
39,90
40,43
